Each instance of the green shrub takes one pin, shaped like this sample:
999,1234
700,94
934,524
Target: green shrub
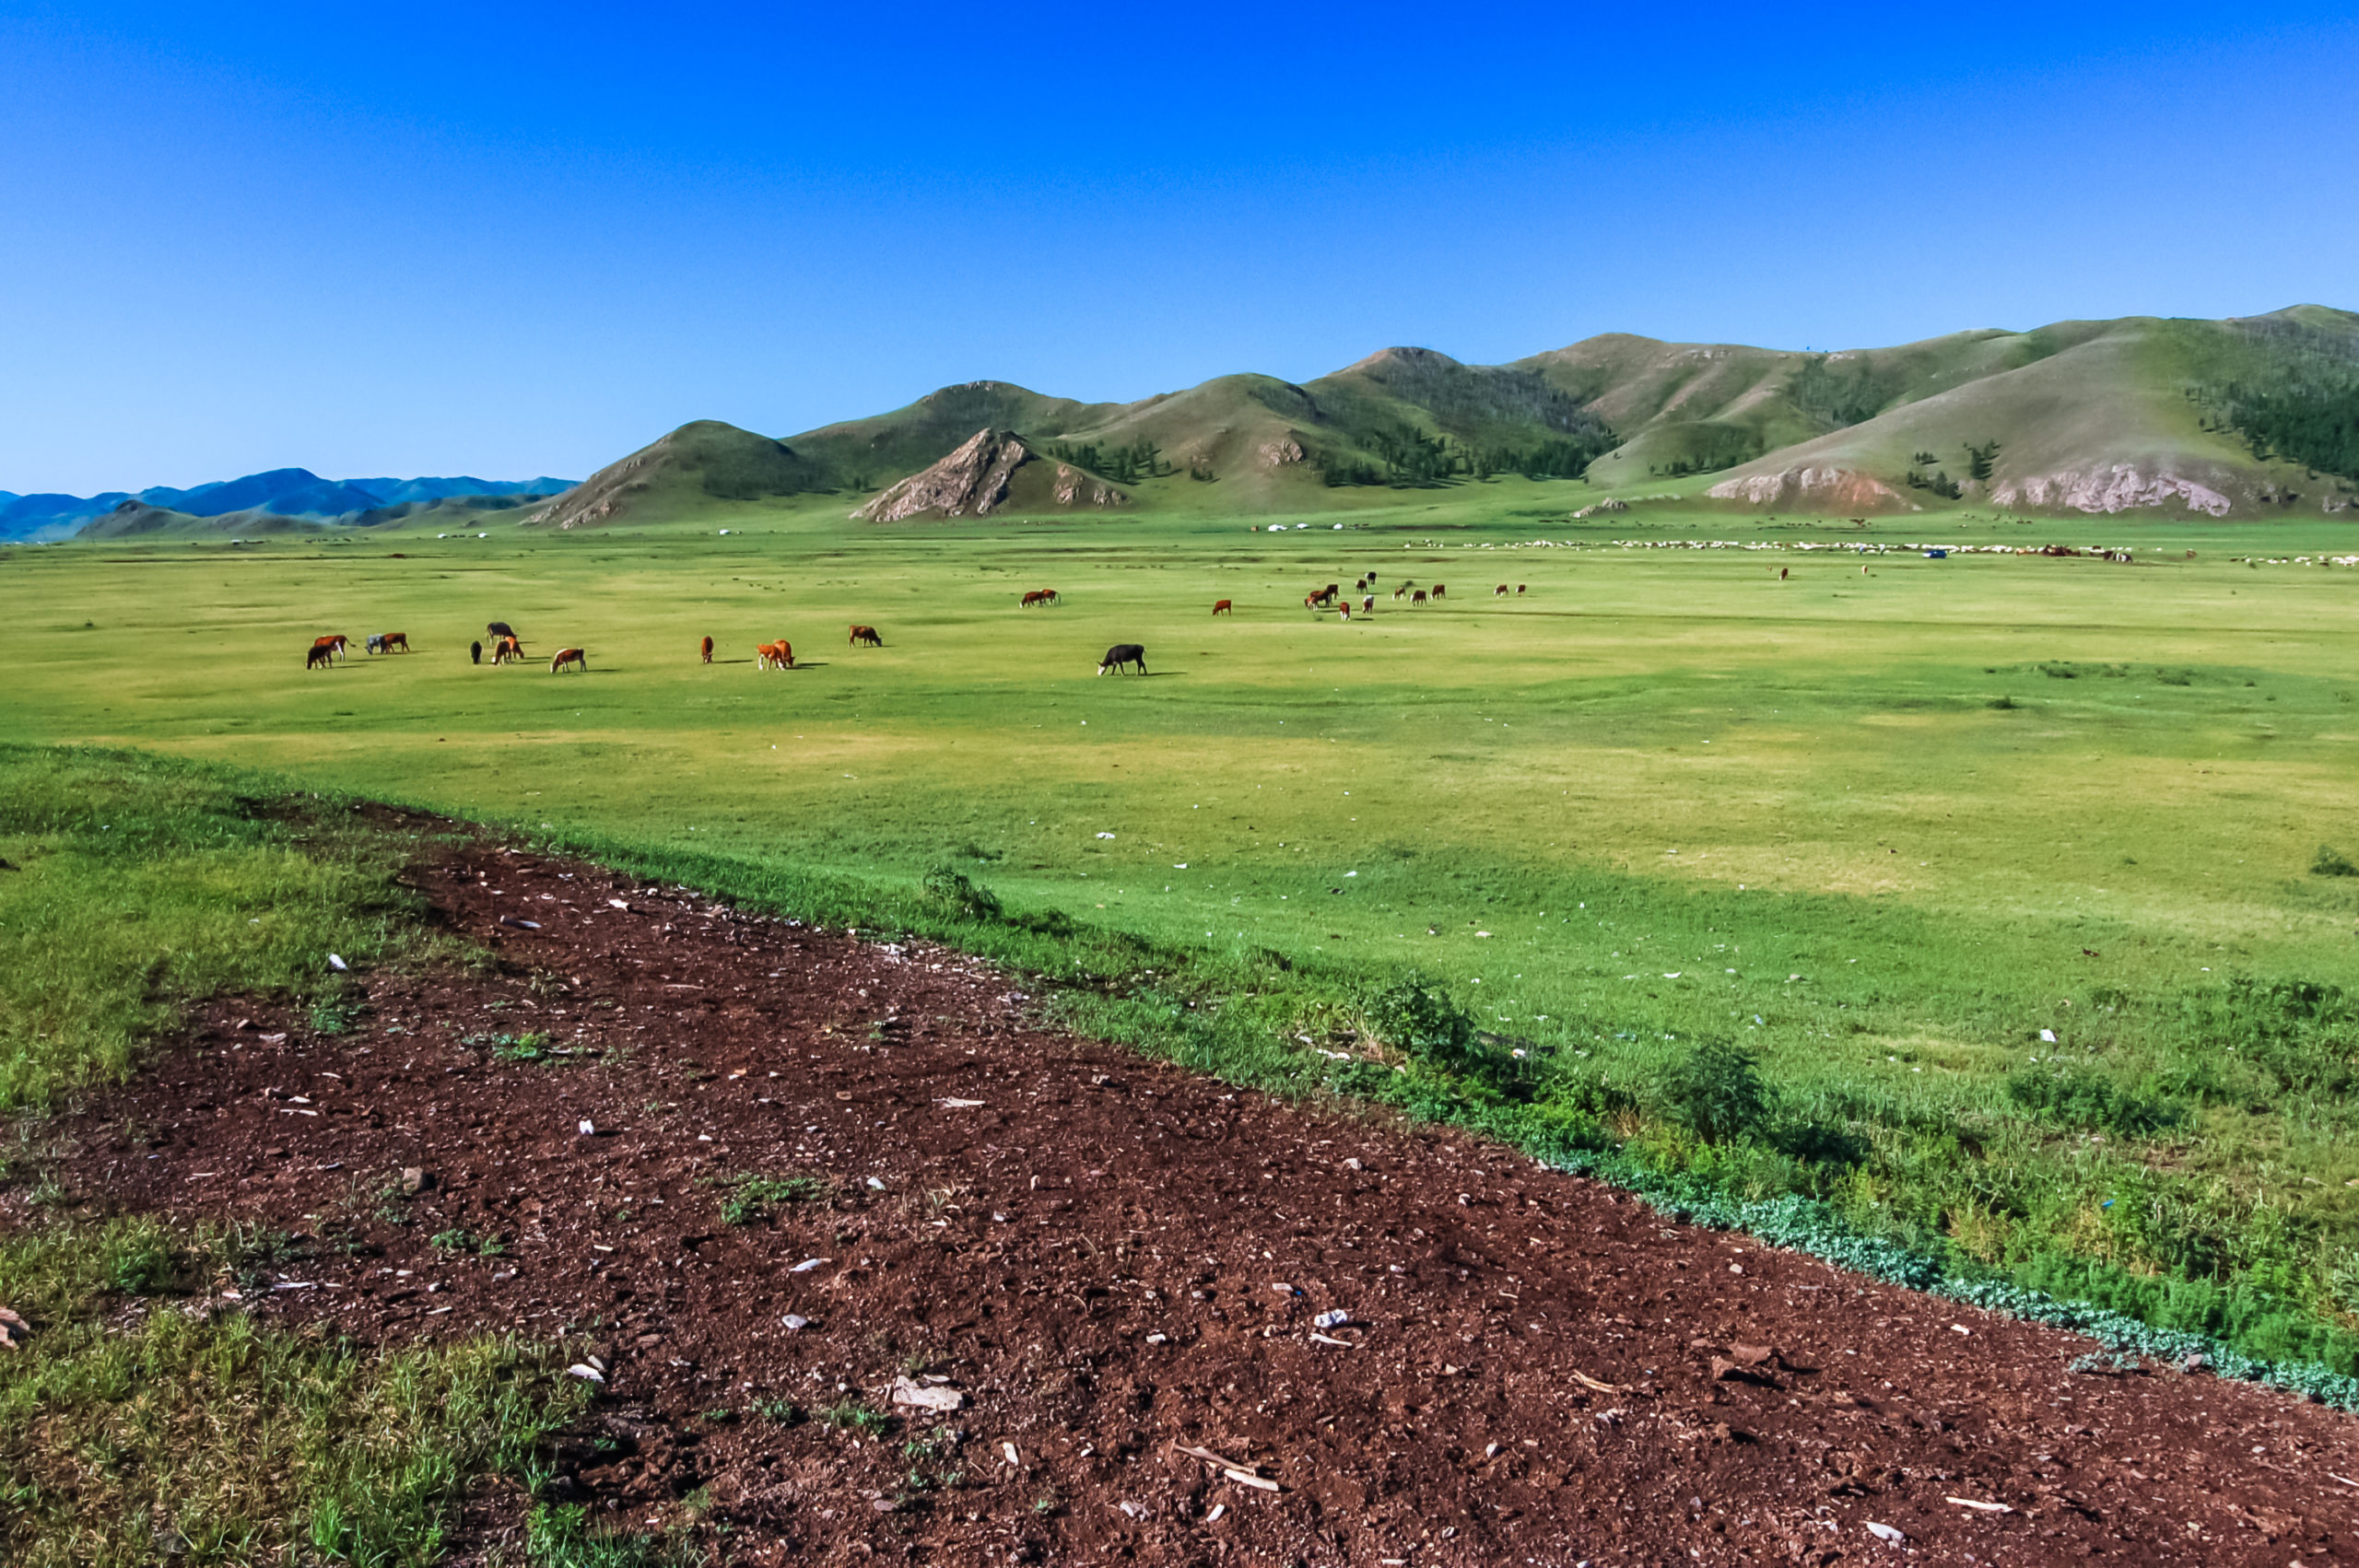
2331,862
946,884
1716,1092
1416,1017
2085,1097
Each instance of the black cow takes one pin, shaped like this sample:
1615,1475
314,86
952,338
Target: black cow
498,629
474,652
1123,653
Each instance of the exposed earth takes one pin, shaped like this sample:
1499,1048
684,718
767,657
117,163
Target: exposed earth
1118,1279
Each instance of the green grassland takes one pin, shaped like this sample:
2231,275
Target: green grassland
1878,829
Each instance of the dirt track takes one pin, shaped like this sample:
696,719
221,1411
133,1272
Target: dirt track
1107,1261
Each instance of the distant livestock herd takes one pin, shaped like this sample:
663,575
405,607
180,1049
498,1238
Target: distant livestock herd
508,648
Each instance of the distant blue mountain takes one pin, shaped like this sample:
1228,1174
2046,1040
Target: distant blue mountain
281,492
285,492
28,517
393,492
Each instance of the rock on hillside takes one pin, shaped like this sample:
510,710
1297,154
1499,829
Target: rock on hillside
991,470
1835,489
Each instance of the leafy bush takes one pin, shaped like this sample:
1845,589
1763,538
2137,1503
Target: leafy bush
2331,862
1416,1016
2302,1034
948,885
2087,1097
1716,1092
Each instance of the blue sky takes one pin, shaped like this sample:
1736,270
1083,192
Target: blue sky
507,240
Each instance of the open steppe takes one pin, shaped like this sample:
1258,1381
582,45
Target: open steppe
2016,878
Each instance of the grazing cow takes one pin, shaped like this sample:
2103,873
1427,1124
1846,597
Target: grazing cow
336,644
1123,653
1500,592
507,647
1346,607
1399,592
1417,597
320,656
1310,602
865,635
1367,605
474,653
376,643
497,630
572,656
388,642
778,655
708,650
1440,592
1038,596
1781,574
1333,590
1223,607
1519,590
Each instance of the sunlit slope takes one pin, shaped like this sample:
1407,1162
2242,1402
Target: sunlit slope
2246,417
2092,416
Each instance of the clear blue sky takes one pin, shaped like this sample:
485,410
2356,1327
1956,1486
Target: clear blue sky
506,240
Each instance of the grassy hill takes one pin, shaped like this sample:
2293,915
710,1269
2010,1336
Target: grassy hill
2246,417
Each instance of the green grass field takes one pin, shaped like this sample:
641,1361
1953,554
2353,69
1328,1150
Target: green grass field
1882,829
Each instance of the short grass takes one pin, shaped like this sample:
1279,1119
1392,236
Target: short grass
149,1420
142,1424
132,883
1887,831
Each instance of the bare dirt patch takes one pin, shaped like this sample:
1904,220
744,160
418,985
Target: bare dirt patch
819,1170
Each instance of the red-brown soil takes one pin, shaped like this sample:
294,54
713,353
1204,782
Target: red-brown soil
1109,1260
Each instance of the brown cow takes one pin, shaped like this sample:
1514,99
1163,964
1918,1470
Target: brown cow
1440,592
1500,592
708,650
1519,590
865,635
335,644
1368,605
320,656
778,655
1346,607
391,642
1400,593
1781,574
572,656
508,648
1417,597
1223,607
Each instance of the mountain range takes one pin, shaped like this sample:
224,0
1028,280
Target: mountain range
2249,417
260,502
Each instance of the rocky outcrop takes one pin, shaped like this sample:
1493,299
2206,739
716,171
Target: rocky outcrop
1611,504
2111,488
968,483
1835,489
981,477
1075,489
1281,453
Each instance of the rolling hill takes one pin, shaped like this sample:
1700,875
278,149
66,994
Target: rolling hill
2244,417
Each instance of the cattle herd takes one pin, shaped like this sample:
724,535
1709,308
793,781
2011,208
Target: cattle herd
507,647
